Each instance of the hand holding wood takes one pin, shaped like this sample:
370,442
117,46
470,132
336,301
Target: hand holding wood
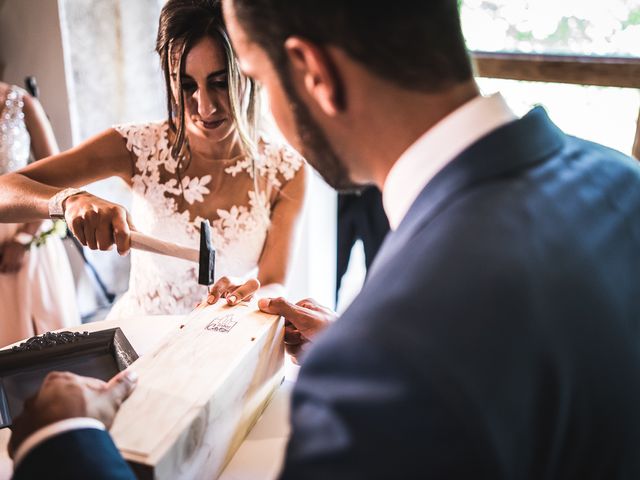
303,321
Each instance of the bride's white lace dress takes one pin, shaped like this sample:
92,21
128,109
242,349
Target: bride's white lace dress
161,285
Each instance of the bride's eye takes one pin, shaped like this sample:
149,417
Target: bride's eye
219,83
188,86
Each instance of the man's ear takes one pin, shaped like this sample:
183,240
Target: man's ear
318,73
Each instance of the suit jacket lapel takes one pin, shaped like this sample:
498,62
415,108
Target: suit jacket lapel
510,148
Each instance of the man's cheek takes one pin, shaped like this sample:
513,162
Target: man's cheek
283,117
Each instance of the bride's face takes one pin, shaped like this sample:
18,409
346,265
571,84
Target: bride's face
205,90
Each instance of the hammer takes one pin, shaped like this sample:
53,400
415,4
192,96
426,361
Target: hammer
205,257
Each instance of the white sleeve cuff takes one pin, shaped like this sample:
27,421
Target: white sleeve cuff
52,430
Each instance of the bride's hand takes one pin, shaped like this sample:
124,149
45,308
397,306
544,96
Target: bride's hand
233,292
97,223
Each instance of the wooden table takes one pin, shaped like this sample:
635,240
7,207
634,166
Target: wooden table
261,454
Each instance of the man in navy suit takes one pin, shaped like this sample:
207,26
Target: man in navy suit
497,334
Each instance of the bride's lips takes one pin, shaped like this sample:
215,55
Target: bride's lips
211,124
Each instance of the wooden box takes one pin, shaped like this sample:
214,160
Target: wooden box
200,391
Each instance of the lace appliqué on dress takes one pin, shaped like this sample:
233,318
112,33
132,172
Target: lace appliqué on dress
274,160
161,285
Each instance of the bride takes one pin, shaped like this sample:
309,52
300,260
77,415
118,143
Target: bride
206,161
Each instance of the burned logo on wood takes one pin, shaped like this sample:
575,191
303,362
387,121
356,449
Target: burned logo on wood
222,324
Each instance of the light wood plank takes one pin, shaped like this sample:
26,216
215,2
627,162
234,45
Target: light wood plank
200,391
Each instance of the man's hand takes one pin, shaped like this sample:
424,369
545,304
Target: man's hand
11,257
64,395
303,321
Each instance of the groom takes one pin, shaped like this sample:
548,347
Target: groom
497,335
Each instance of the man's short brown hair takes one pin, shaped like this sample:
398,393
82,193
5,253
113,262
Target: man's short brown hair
417,44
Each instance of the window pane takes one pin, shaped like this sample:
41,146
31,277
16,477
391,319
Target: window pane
586,27
600,114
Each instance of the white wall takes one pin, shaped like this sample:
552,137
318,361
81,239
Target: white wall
313,273
111,62
31,44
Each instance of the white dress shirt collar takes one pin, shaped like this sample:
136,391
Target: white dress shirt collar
436,148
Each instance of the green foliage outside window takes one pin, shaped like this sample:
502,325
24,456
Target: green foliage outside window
604,27
572,27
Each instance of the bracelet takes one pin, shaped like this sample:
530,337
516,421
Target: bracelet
56,203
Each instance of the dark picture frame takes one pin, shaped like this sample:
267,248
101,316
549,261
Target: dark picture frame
99,354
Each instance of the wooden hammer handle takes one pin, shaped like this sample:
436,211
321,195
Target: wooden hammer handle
140,241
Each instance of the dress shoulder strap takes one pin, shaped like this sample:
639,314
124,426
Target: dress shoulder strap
278,162
149,143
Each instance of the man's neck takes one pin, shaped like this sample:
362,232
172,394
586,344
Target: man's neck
394,121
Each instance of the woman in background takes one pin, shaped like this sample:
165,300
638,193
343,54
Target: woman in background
207,161
37,292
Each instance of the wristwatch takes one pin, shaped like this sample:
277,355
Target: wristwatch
56,203
23,238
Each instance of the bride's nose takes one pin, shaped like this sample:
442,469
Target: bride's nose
206,105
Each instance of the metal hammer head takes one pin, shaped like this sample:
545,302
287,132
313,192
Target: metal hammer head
207,255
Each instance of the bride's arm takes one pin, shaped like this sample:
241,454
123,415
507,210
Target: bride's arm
43,144
276,255
96,223
24,194
282,236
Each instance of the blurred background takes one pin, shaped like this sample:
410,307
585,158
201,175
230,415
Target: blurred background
95,65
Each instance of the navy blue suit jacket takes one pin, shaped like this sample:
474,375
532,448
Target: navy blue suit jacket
75,455
497,335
